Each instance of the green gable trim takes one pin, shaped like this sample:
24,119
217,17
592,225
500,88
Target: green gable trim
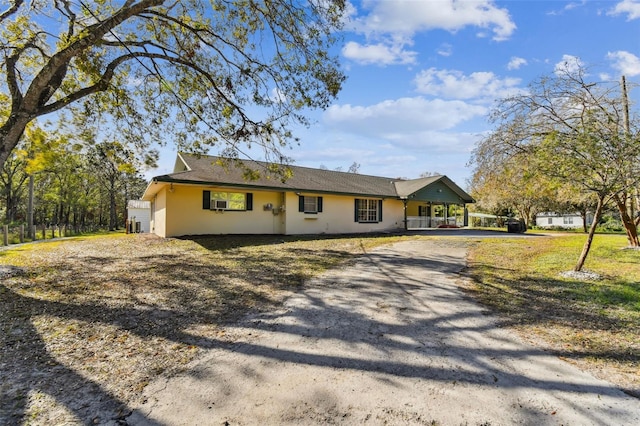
437,192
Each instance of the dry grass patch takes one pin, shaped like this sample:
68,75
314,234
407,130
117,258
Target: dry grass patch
97,318
593,323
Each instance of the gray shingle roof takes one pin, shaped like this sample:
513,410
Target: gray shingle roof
205,170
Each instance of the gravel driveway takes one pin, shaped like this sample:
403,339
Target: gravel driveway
388,339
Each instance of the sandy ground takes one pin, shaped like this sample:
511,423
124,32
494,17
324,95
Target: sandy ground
389,339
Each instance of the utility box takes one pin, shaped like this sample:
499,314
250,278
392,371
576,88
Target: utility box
515,226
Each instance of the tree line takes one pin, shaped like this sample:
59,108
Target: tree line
53,179
566,144
124,77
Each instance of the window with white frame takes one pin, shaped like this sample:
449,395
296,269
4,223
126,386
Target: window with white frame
568,220
550,221
368,210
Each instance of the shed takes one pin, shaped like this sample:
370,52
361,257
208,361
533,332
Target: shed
139,215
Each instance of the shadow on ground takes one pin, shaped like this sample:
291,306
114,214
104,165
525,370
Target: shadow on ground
28,368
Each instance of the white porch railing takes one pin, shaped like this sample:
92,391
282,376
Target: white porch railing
424,222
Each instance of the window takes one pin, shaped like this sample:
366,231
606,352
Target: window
550,221
368,210
310,205
216,200
568,220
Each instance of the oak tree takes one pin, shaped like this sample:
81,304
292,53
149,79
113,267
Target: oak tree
235,74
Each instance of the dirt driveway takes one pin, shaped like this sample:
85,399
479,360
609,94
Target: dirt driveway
388,339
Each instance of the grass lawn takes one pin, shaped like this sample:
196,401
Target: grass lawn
593,323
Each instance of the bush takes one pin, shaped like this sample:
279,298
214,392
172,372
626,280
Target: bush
610,224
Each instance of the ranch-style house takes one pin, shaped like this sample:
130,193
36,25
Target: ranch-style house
202,197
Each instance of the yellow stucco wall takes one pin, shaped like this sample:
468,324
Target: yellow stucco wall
187,217
179,212
159,214
337,216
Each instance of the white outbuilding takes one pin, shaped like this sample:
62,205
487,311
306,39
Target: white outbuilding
138,216
565,220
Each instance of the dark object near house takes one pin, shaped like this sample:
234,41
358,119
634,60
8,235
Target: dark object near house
515,226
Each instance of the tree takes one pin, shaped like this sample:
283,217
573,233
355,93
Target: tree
570,198
573,131
115,165
187,70
513,185
628,200
12,185
354,168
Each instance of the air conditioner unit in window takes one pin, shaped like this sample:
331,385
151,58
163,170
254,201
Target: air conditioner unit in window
219,205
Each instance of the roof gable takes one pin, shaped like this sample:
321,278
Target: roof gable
433,188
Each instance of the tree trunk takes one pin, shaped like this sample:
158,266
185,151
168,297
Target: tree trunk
584,213
592,231
30,208
10,134
635,207
7,201
627,221
112,208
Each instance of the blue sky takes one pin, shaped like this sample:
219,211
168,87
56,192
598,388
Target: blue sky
422,76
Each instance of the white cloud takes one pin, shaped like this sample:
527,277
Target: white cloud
575,5
445,50
336,154
455,84
404,116
389,26
568,64
435,142
603,76
382,54
278,95
568,7
629,7
515,63
408,17
627,63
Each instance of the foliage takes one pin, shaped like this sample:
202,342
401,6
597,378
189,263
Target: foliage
115,166
13,179
233,74
516,187
609,223
573,133
72,185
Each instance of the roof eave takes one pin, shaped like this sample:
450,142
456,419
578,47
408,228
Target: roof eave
169,179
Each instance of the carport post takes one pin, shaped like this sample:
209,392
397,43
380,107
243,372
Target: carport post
406,225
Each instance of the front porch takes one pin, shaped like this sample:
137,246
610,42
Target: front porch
433,202
430,215
425,222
